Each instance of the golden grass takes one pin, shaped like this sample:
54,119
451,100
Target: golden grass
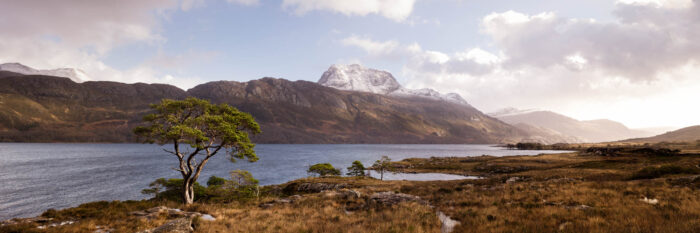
556,193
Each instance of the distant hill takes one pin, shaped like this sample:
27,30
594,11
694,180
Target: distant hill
570,129
688,134
37,108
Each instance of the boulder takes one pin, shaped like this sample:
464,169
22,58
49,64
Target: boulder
391,198
180,225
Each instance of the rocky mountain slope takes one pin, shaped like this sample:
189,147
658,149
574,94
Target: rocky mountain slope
688,134
568,128
357,78
74,74
36,108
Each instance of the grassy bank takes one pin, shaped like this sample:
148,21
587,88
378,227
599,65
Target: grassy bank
629,191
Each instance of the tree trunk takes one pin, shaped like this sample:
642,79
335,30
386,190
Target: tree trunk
381,176
187,192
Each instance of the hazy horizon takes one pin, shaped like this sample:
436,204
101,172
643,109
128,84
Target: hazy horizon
631,61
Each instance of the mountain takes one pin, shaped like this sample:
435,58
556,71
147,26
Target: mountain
38,108
688,134
74,74
571,129
357,78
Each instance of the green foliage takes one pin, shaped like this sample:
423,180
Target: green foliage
240,178
200,124
171,189
205,127
656,172
357,169
323,169
382,165
215,181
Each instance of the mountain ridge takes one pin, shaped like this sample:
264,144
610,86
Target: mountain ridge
355,77
600,130
35,108
76,75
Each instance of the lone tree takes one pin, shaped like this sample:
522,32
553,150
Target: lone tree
357,169
324,169
382,165
204,127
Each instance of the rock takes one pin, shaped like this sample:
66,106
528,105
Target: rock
448,224
180,225
650,201
207,217
513,180
349,194
157,209
319,187
391,198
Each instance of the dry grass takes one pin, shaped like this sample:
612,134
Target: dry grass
556,193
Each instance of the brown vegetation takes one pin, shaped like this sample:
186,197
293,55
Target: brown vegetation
571,192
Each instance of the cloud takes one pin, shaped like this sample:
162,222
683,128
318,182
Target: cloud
397,10
648,55
647,39
374,48
80,34
473,61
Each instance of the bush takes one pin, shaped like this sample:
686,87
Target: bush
324,169
656,172
215,181
357,169
171,189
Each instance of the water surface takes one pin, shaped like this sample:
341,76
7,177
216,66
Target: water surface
38,176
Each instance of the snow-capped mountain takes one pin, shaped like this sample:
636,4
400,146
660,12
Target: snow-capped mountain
74,74
357,78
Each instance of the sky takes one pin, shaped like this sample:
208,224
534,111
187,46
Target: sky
632,61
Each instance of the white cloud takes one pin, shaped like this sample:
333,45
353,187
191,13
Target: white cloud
80,34
397,10
641,69
646,40
372,47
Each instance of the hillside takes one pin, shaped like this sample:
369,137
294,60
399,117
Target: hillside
688,134
573,130
52,109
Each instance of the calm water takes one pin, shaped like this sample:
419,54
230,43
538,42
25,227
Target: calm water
36,176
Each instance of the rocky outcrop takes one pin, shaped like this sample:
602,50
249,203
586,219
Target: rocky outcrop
392,198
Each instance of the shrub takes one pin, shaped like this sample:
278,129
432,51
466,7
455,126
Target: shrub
171,189
656,172
357,169
323,169
215,181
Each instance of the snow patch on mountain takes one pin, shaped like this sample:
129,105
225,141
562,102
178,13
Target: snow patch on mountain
74,74
357,78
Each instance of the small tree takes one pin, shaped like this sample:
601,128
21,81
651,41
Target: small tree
206,128
382,165
324,169
215,181
244,183
357,169
157,186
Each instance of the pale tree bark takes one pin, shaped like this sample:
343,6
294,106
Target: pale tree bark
190,169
